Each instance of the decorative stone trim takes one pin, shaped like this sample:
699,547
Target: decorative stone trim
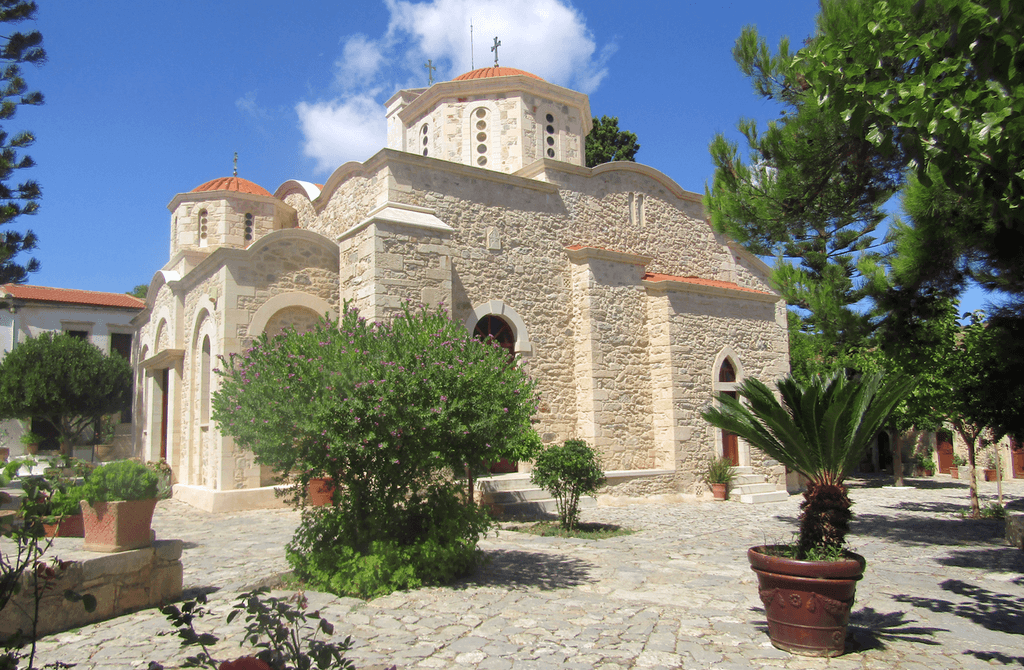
499,308
168,358
402,215
579,253
281,301
682,284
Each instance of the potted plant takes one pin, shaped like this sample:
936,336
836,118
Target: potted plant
991,471
117,507
820,430
64,516
926,465
31,441
958,462
718,477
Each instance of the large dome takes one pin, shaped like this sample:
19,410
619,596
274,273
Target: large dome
486,72
232,184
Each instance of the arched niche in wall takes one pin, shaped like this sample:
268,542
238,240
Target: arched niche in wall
500,309
288,301
726,375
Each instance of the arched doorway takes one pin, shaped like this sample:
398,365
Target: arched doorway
730,441
494,328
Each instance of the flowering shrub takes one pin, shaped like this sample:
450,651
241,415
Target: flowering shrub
392,412
568,472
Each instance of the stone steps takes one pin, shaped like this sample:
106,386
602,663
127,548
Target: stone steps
752,489
514,495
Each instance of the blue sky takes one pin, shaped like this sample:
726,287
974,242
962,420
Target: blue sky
147,100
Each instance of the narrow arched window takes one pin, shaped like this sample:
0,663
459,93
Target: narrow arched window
498,329
726,373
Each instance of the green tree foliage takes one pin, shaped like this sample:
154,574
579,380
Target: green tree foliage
65,381
140,291
568,472
606,143
809,193
820,430
393,413
938,85
15,49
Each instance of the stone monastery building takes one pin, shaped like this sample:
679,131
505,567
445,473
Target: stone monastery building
607,282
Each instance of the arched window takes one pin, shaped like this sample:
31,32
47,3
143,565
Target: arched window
726,373
248,226
480,128
496,328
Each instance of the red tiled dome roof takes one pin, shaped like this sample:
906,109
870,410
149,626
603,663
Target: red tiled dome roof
485,72
232,184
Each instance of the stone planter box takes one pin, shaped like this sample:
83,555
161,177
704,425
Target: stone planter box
119,525
123,582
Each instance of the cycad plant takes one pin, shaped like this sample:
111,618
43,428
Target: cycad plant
820,430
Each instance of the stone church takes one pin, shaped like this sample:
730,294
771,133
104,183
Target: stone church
608,283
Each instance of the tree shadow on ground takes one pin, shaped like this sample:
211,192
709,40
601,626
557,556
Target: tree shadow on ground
517,569
994,559
880,481
999,658
945,530
994,611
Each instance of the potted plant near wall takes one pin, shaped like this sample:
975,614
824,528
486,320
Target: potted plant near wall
820,430
991,472
718,477
117,507
31,441
926,465
958,462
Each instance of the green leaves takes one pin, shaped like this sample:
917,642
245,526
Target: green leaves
568,472
606,143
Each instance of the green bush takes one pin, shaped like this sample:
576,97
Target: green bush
66,502
434,543
568,472
392,413
121,480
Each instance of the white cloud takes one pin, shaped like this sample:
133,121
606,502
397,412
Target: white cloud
342,130
360,61
549,38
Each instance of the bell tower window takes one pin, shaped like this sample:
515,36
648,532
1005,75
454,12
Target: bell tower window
203,228
550,135
480,123
248,227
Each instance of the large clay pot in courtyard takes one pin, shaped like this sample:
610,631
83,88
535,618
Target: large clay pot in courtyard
71,525
720,491
119,525
807,603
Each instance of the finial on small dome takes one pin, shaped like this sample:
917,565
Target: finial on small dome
234,173
495,50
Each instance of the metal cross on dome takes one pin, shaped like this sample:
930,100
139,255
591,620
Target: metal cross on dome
495,50
430,71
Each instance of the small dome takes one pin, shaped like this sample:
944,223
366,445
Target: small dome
485,72
232,184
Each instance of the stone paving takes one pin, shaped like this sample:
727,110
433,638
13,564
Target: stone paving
939,592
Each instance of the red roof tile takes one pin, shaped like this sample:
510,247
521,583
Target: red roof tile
232,184
656,277
486,72
72,295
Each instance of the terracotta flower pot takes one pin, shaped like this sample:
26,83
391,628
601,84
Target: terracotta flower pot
954,472
244,663
990,475
118,526
720,491
321,491
807,603
71,525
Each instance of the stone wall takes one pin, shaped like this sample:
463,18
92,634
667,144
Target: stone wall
123,582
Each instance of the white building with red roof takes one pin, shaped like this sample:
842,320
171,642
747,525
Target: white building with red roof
607,282
105,319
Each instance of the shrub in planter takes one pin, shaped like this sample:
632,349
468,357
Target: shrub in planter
821,431
568,472
64,516
117,511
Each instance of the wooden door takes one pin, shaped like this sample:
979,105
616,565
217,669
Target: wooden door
1017,458
945,451
730,441
497,329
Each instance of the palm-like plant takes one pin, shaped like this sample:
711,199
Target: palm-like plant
821,431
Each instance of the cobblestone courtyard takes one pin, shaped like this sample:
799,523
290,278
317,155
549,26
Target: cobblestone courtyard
939,591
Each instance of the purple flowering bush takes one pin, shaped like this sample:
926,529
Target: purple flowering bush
393,413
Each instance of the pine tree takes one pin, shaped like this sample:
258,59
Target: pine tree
22,198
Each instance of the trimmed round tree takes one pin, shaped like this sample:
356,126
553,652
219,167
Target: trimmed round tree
393,413
64,381
568,472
